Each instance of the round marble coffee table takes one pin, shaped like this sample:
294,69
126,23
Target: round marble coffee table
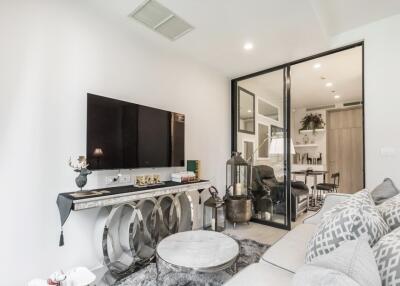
199,250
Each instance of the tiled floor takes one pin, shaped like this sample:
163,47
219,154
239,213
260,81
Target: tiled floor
262,233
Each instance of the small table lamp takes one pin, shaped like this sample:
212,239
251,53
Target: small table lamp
98,153
277,147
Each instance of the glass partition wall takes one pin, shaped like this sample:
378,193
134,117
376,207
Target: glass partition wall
261,136
263,117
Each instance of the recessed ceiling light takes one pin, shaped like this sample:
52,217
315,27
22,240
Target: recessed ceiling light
248,46
328,84
317,65
249,111
337,96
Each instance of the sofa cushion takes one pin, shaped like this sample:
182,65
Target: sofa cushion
354,218
384,191
358,199
352,262
390,211
387,256
290,250
311,275
261,274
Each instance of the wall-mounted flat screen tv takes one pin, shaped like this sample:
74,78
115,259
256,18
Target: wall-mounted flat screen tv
124,135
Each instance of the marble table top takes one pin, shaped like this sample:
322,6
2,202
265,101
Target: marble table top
199,250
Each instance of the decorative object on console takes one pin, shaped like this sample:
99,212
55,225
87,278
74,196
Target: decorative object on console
80,166
312,122
183,177
147,180
140,181
194,166
157,179
214,212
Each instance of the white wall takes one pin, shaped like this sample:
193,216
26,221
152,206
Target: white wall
382,101
52,54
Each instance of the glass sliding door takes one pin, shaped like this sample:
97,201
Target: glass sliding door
260,122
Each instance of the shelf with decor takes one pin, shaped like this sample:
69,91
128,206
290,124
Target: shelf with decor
310,131
305,145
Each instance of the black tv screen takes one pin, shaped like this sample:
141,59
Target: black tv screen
124,135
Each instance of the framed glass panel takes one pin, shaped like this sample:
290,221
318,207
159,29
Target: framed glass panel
269,190
246,107
263,141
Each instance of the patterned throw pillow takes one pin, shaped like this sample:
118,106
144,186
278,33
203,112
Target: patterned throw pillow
354,218
384,191
357,200
353,260
387,256
390,211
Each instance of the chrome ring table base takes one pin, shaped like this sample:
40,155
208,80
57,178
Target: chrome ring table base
130,232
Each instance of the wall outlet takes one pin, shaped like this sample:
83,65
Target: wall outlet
125,179
122,179
388,151
110,180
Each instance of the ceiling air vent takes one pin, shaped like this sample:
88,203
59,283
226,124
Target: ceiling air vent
161,19
352,103
320,107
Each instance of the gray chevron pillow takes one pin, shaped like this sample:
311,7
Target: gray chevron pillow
354,218
387,256
357,200
390,211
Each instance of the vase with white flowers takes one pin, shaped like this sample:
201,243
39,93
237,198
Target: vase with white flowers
80,165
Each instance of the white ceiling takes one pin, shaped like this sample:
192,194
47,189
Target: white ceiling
281,31
308,89
343,70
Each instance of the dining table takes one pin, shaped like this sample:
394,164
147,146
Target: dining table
315,202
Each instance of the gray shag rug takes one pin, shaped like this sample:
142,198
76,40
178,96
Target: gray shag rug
250,252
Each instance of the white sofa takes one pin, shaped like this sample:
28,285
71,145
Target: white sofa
281,261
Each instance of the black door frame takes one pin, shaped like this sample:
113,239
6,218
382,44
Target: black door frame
287,101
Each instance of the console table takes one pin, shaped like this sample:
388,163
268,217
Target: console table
133,219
